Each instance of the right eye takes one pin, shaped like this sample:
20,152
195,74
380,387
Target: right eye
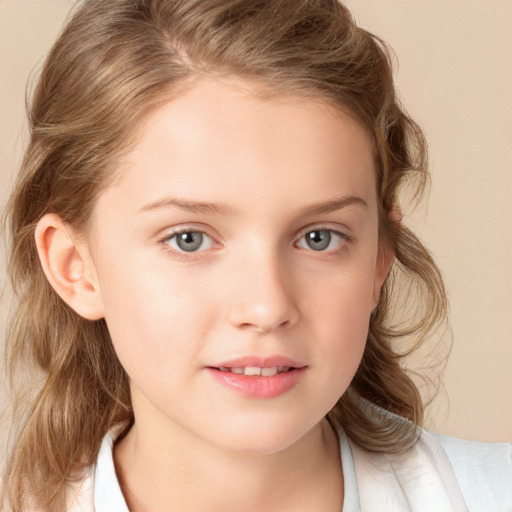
189,241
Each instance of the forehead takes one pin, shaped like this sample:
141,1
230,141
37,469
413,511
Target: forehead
223,135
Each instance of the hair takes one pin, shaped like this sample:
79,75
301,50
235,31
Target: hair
113,62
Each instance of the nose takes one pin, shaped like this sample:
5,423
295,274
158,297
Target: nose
262,296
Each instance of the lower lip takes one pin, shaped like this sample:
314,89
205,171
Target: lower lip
257,386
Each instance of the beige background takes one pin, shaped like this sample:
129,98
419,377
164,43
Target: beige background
455,76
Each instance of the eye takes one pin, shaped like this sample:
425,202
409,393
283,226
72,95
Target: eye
322,240
189,241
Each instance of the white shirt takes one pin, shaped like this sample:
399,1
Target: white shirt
439,474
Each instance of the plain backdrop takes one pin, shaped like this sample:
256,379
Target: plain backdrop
455,78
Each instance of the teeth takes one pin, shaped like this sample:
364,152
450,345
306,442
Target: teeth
252,370
256,370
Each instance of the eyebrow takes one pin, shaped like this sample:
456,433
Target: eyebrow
189,206
223,209
335,205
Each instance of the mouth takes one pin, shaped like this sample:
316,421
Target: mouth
256,371
255,377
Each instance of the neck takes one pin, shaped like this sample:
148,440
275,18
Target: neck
158,471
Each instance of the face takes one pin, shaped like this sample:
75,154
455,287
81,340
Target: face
237,260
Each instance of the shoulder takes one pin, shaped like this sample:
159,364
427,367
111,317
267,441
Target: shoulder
483,471
79,496
445,474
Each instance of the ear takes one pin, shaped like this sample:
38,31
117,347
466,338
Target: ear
385,256
68,266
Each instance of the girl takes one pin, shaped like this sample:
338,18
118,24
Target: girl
208,251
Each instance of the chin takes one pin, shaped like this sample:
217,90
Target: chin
260,438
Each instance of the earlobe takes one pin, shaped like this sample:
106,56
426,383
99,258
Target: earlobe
68,267
384,261
385,256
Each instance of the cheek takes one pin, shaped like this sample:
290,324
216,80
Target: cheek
344,296
155,317
340,315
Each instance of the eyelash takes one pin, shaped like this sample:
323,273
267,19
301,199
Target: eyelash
184,255
343,239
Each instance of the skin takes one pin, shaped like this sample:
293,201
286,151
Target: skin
255,287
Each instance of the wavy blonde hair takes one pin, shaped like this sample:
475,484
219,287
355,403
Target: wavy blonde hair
115,60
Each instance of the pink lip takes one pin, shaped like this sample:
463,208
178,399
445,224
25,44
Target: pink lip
259,386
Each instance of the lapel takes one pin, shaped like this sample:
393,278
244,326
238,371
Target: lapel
421,480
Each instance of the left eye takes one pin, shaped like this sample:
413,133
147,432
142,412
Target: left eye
321,240
189,241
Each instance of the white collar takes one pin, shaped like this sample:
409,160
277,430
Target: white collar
422,479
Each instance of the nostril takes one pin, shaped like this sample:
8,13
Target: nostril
262,328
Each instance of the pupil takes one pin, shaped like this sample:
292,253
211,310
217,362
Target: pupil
190,241
319,240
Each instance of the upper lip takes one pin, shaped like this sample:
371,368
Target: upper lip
259,362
